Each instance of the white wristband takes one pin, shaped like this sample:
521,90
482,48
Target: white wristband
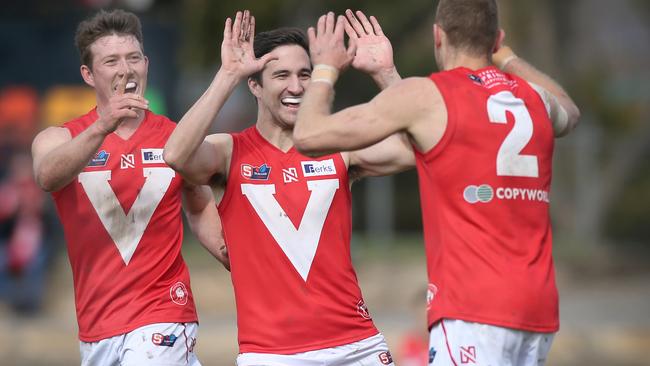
505,62
325,74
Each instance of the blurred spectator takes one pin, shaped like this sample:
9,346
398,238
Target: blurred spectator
413,346
22,253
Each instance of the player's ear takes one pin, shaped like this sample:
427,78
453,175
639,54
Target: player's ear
255,87
437,35
87,75
498,43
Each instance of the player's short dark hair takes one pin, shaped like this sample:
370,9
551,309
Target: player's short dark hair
105,23
470,25
266,42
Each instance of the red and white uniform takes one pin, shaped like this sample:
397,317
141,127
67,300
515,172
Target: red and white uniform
485,204
286,219
123,227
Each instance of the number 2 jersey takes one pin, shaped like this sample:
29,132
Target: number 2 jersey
286,221
123,228
485,204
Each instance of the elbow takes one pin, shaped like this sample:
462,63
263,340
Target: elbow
45,186
172,159
44,180
574,117
306,146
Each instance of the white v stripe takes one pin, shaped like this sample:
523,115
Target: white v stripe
298,245
126,230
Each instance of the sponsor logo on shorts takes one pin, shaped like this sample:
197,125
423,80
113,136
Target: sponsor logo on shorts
318,168
252,172
467,354
178,293
485,193
432,290
385,358
362,309
432,354
163,340
152,156
100,159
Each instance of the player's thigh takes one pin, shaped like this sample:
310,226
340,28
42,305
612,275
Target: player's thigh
535,349
372,351
456,342
164,344
105,352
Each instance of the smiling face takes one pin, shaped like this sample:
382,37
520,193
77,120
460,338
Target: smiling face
114,57
283,83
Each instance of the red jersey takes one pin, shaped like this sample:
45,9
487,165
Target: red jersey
122,222
286,219
485,204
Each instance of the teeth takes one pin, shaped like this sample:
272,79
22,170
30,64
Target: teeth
291,100
130,85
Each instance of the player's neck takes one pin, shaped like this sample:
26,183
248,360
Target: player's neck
460,59
276,135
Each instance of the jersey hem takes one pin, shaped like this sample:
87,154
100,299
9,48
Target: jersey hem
307,348
500,323
131,327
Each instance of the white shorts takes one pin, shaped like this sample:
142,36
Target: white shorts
371,351
456,342
163,344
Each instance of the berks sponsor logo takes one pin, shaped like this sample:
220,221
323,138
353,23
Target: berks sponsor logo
318,168
100,159
163,340
152,156
252,172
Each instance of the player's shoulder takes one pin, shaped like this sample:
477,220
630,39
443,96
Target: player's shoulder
160,121
413,91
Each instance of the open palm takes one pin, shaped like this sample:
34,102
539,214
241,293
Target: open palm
237,55
374,50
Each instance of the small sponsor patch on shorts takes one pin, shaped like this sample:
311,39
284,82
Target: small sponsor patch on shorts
163,340
385,358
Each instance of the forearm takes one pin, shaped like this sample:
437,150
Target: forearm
62,164
195,124
506,59
316,105
203,219
206,226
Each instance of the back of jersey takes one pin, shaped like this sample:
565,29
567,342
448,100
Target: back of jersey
485,202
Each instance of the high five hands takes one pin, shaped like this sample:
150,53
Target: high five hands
237,55
368,50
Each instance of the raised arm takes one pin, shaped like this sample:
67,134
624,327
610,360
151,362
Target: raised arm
402,107
563,111
188,150
204,221
59,158
374,52
374,56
